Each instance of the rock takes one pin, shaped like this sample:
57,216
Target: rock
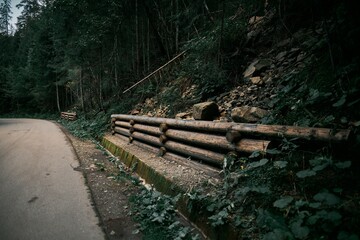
257,66
256,80
135,112
284,43
251,69
182,115
248,114
205,111
262,64
281,56
300,57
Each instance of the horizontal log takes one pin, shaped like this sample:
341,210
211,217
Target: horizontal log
206,126
147,129
198,153
122,131
252,145
68,114
122,124
215,141
139,127
146,138
174,157
202,139
272,131
277,131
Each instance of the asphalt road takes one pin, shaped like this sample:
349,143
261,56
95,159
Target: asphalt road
41,195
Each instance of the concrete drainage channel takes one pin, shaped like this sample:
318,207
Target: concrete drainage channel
178,155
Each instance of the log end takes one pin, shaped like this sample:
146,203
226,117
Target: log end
162,151
163,127
163,139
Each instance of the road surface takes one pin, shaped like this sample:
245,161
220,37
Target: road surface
41,195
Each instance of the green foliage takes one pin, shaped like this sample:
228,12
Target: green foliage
298,196
88,128
157,215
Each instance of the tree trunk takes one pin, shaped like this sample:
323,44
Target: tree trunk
81,91
57,97
137,38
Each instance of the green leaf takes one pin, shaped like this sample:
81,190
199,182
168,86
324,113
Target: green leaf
260,163
265,218
280,164
320,167
300,203
343,165
174,224
255,154
334,217
273,151
329,119
305,173
319,161
299,231
327,198
315,205
341,101
283,202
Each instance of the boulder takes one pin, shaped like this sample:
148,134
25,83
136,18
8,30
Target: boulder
248,114
205,111
256,66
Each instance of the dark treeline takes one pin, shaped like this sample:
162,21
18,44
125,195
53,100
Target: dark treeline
82,52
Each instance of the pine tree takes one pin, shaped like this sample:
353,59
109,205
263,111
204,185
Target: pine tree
5,17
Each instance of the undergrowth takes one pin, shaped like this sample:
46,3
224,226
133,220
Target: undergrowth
295,195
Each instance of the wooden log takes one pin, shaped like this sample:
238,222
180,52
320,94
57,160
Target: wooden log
233,136
205,140
122,131
146,138
68,116
198,153
147,129
213,172
219,142
123,124
163,138
252,145
139,127
163,127
162,151
206,126
271,131
277,131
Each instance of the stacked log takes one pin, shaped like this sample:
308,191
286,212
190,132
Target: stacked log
209,141
68,116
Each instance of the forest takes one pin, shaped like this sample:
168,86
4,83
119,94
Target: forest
83,54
